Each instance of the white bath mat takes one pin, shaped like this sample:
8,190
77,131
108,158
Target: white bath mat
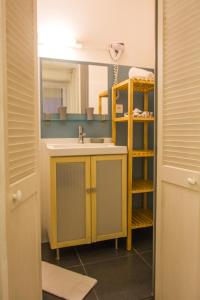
64,283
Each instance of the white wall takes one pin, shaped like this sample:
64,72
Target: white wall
97,23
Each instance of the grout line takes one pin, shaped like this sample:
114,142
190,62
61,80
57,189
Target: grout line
74,266
142,258
145,251
81,262
77,253
95,293
108,259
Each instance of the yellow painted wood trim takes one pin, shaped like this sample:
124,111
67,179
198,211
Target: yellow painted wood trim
139,85
124,195
108,157
63,159
93,197
110,236
53,205
88,199
134,119
123,232
99,105
70,243
146,148
130,160
114,133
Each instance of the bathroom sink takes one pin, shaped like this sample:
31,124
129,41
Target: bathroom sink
71,149
78,145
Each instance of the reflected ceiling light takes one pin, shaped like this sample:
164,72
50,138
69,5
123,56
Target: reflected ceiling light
57,36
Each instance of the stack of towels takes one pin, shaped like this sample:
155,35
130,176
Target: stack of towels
137,73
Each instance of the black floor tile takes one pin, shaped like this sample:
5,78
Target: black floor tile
68,257
90,296
142,239
102,251
47,296
125,278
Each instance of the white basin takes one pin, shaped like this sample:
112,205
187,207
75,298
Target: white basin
84,145
72,149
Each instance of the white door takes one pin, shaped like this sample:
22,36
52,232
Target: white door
19,137
178,173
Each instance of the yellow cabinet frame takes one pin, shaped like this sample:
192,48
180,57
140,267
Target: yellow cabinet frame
123,232
53,207
90,198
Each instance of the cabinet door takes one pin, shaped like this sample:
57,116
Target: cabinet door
70,201
109,200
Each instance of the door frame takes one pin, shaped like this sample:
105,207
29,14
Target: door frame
158,74
3,196
158,148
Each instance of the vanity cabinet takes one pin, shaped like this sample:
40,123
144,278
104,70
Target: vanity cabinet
88,199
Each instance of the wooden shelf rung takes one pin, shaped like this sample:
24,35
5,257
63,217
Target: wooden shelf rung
142,186
134,119
142,153
140,85
142,218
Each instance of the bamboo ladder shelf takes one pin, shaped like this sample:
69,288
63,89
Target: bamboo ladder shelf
137,218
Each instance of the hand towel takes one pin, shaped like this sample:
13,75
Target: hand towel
137,73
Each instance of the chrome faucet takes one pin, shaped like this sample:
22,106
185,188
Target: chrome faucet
81,134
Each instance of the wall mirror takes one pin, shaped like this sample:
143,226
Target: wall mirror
74,85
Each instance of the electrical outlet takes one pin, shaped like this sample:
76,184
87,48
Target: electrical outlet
119,108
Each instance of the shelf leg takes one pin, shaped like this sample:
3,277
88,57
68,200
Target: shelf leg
57,254
129,240
116,244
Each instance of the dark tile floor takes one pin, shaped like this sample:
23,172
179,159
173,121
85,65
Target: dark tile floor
121,274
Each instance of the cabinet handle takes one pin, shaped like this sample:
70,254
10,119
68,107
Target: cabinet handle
88,190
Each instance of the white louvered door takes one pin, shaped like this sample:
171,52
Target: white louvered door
178,176
21,148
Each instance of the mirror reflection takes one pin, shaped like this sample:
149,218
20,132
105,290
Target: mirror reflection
74,88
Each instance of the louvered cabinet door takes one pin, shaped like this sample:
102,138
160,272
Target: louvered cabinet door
178,173
70,201
109,197
19,138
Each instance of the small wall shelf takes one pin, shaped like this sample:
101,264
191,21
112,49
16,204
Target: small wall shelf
75,117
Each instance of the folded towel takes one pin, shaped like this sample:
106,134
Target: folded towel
137,73
139,113
136,112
